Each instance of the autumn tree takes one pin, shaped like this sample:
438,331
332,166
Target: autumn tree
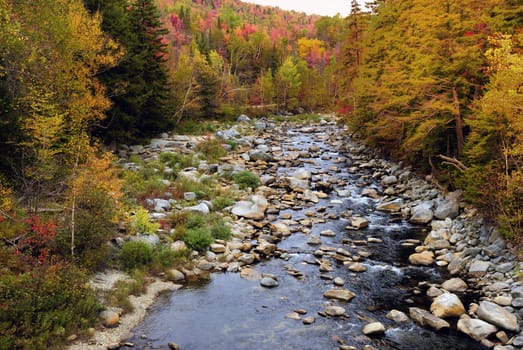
495,146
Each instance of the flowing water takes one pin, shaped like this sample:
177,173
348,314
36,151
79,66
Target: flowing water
229,312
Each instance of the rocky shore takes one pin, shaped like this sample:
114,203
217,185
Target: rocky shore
474,253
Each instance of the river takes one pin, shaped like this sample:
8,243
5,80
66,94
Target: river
230,312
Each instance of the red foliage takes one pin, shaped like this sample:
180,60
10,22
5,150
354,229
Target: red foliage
38,241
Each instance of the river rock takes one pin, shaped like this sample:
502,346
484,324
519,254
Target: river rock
269,282
109,318
454,285
374,328
293,316
334,311
425,258
258,154
280,229
476,329
201,208
310,196
422,213
397,316
391,206
218,248
302,174
250,274
265,247
357,267
389,180
370,192
497,315
176,275
447,305
314,240
309,320
339,294
359,222
449,208
425,318
253,209
478,268
173,346
298,185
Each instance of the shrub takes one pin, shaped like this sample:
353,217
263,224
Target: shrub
41,307
165,258
221,202
94,226
177,160
211,149
198,239
246,179
220,230
141,222
136,254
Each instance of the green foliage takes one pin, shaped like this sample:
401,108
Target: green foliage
118,296
199,231
177,161
211,150
198,239
94,227
246,179
164,258
221,202
141,222
43,306
136,254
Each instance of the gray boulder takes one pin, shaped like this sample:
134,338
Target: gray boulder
476,329
422,213
253,209
449,207
497,315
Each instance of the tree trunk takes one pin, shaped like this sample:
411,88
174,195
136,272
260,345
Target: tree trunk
460,140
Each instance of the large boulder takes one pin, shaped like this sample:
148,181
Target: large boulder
422,213
449,207
447,305
253,209
476,329
497,315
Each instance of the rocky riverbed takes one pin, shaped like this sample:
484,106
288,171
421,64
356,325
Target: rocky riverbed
337,249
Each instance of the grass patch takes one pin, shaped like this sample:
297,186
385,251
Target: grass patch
211,150
246,179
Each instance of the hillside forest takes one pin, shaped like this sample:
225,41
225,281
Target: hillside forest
437,85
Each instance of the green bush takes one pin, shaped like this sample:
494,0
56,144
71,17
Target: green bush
141,222
165,258
246,179
136,254
220,230
198,239
221,202
42,307
177,161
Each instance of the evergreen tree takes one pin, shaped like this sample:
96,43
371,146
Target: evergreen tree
138,86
